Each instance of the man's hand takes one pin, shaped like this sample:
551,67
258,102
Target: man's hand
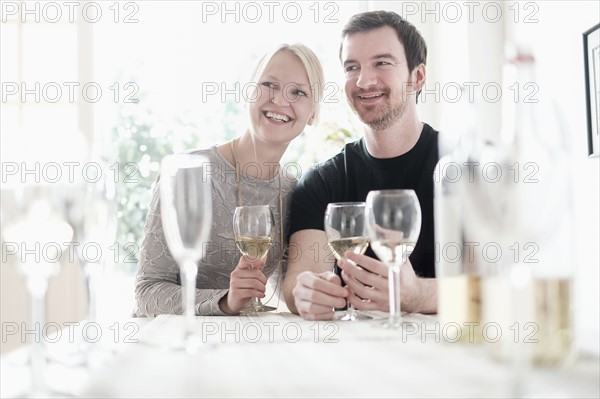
316,294
247,282
367,282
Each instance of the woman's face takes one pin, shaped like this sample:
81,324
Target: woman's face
282,104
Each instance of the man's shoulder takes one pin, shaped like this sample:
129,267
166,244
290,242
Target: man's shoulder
429,131
428,142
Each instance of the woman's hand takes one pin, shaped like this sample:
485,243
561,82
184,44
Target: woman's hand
247,281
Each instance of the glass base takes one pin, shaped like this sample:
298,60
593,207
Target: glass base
348,316
257,308
392,324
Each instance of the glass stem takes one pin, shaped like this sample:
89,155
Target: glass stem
92,292
520,284
37,289
91,274
394,294
190,271
351,310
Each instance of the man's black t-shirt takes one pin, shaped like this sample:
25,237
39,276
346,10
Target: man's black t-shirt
351,174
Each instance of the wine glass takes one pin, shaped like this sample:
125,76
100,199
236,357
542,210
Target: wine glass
346,231
186,212
253,229
39,231
393,226
94,232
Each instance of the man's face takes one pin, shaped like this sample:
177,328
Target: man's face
379,87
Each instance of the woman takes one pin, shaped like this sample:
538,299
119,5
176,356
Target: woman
289,86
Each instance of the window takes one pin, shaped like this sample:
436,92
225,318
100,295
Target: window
180,69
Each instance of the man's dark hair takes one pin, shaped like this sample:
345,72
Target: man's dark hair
414,44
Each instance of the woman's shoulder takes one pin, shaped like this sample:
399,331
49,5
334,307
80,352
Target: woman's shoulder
209,152
213,155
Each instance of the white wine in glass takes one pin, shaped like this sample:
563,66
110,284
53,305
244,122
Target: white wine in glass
346,231
393,226
253,227
254,247
186,212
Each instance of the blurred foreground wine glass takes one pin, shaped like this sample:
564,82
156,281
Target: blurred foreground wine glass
40,231
94,222
186,211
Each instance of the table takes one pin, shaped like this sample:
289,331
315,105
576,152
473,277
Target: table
281,355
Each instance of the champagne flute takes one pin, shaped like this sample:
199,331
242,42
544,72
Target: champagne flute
393,226
186,212
253,229
346,231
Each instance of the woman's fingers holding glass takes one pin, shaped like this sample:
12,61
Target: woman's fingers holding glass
248,283
237,300
248,262
248,273
244,286
242,290
249,293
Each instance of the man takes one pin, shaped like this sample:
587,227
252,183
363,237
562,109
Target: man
384,58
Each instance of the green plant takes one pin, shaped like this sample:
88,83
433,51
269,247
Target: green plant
140,146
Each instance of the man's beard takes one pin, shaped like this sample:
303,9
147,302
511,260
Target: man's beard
380,116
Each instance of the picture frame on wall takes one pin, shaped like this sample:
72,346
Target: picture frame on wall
591,54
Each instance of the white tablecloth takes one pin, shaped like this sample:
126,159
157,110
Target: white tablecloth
281,355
